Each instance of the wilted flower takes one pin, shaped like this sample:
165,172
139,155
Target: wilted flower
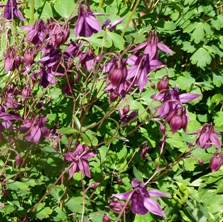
86,24
144,151
12,11
35,129
216,162
116,205
79,159
12,60
141,199
208,137
37,32
125,117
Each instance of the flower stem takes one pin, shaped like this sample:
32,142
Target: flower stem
32,3
130,18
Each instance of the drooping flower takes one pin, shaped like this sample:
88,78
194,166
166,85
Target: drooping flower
36,33
216,162
125,117
12,59
141,199
34,129
208,137
117,206
12,11
79,160
86,23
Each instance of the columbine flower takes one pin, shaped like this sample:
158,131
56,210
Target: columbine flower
141,199
116,205
216,162
12,60
79,159
207,137
86,24
112,26
35,129
125,117
12,11
117,73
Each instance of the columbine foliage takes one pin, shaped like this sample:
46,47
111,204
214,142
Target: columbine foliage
106,106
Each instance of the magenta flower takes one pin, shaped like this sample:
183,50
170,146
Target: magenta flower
35,129
125,117
116,205
79,159
12,11
208,137
86,24
12,59
216,162
141,199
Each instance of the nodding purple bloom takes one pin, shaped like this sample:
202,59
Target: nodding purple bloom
12,59
143,153
86,24
35,129
58,33
106,218
125,117
117,83
141,199
11,98
216,162
117,206
36,33
177,119
28,58
142,64
79,160
87,60
12,11
18,160
208,137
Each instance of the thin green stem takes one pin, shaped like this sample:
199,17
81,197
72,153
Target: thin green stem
130,18
101,3
32,4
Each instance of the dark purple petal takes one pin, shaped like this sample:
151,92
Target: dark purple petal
152,206
215,140
138,204
68,156
94,23
72,170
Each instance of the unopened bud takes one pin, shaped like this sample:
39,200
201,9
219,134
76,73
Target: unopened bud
216,162
106,218
95,185
163,83
200,162
18,160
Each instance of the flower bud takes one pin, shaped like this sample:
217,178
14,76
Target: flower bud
95,185
162,129
163,84
106,218
113,96
143,153
18,160
216,162
119,181
125,110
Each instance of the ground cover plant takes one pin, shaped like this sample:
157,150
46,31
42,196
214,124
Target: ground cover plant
111,110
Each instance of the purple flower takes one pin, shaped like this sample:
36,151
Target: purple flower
116,205
106,218
79,159
144,151
12,60
177,119
113,25
12,11
18,160
141,199
86,24
216,162
117,83
35,129
36,33
208,137
125,117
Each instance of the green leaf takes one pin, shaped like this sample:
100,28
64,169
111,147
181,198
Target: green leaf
122,153
57,192
75,204
20,187
43,212
67,130
137,174
77,122
46,11
64,8
185,83
218,120
217,23
143,218
201,58
61,215
118,40
188,47
201,31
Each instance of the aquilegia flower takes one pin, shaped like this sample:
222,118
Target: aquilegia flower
216,162
86,24
35,129
208,137
12,11
141,199
79,159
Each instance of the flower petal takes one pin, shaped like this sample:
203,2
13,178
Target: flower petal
157,193
152,206
188,97
123,196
